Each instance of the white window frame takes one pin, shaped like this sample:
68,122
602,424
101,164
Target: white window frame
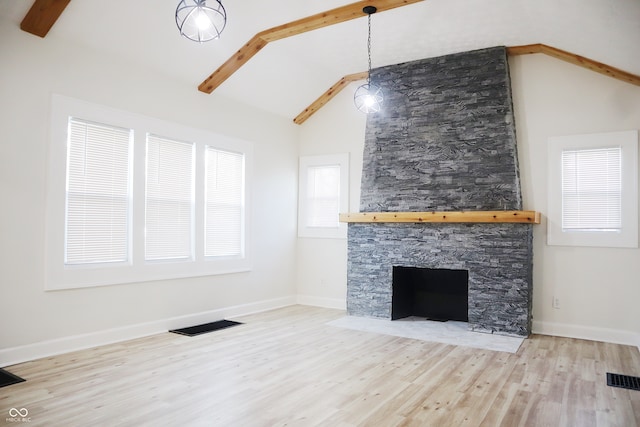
627,237
307,162
59,276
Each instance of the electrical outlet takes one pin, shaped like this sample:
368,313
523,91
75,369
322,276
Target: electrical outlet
556,302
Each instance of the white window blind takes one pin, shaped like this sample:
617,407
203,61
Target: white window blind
592,189
224,203
323,196
169,199
98,193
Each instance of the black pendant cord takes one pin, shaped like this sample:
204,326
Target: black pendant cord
369,53
368,97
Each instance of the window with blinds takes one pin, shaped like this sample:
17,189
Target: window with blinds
224,203
131,199
169,199
323,196
98,195
592,189
323,192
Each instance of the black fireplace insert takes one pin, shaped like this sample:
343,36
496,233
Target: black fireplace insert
436,294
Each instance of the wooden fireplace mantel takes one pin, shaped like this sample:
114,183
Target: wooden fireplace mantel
527,217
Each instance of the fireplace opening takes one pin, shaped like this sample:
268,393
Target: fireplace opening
436,294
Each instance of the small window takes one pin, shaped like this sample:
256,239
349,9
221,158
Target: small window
323,182
323,196
593,190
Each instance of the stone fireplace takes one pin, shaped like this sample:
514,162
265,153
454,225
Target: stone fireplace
446,142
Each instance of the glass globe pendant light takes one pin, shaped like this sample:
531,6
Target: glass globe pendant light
368,97
201,20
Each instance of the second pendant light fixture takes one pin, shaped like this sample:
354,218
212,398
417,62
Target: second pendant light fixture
368,97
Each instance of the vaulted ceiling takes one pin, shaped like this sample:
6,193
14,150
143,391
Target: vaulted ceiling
288,74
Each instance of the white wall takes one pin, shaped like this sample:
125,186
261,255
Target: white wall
598,288
34,322
322,263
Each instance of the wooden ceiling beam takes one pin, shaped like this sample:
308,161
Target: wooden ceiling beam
42,15
310,23
330,17
578,60
244,54
330,93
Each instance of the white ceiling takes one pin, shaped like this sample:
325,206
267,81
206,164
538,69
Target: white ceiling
289,74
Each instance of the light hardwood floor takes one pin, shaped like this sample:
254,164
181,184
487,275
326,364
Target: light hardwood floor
288,368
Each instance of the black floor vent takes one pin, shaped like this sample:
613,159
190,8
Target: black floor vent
207,327
7,378
623,381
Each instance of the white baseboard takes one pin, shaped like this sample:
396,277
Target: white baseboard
14,355
338,303
587,332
